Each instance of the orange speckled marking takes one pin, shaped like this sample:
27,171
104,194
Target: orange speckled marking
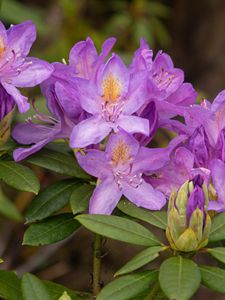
111,88
121,153
2,46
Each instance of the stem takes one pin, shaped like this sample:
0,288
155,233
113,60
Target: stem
153,292
97,265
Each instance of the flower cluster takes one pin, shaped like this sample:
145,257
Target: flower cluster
110,112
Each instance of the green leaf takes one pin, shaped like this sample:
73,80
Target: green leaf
157,218
127,287
33,288
140,260
19,177
56,291
51,230
50,200
8,209
58,162
119,229
213,278
218,253
218,228
80,197
179,278
9,286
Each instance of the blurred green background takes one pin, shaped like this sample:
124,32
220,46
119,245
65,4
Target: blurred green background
191,31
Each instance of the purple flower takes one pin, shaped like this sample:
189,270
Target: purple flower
165,86
6,103
119,170
111,99
42,129
16,69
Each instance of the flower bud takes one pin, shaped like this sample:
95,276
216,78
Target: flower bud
188,221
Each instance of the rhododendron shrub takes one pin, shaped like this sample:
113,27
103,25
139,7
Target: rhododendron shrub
102,116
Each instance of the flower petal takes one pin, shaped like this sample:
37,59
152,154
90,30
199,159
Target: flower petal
34,73
21,37
20,100
94,163
113,79
105,198
22,153
122,139
90,131
133,124
82,57
144,195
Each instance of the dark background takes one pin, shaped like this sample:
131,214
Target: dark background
192,32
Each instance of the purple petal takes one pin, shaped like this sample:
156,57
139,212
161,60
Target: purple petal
185,95
22,153
29,133
21,37
88,96
137,93
3,38
184,158
6,103
114,70
144,195
82,57
122,138
142,57
106,48
218,101
95,163
69,101
20,100
105,198
133,124
150,159
90,131
33,73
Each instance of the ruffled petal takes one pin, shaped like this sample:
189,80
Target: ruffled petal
217,168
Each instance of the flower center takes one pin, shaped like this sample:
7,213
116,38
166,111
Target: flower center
111,89
2,47
121,153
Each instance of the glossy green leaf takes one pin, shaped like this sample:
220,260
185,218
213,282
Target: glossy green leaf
33,288
50,200
179,278
80,197
119,229
51,230
213,278
140,260
19,177
157,218
58,162
8,209
218,253
56,290
9,286
218,228
127,287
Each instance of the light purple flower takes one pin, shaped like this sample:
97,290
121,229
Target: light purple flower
119,170
165,86
111,99
41,129
16,69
